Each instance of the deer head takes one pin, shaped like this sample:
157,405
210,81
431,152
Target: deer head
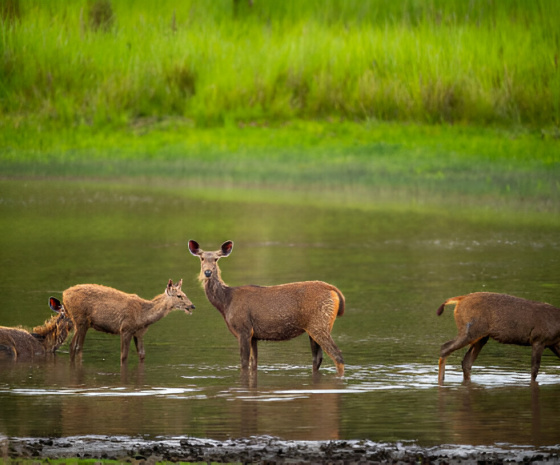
179,299
209,260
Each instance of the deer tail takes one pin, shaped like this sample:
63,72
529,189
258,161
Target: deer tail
452,300
341,302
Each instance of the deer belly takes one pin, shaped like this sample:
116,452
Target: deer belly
276,333
104,328
517,336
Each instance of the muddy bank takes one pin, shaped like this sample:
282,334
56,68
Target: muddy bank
267,450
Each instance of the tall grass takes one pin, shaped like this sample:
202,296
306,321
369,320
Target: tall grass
123,62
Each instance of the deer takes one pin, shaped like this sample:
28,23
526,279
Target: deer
504,318
115,312
20,344
272,313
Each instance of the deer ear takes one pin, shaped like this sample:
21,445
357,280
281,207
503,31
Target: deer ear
169,287
226,248
55,304
179,284
194,248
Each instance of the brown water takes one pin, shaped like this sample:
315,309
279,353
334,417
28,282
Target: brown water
395,267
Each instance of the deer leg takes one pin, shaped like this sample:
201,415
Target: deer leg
325,341
471,356
446,349
538,349
317,354
77,343
125,344
253,360
244,351
139,343
556,350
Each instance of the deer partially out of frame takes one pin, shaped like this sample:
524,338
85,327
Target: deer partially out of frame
111,311
507,319
272,313
19,344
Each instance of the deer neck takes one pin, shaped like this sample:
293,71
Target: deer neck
155,309
218,292
48,335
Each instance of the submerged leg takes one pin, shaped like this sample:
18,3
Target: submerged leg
325,341
139,343
125,344
471,356
441,370
317,354
446,349
253,360
244,351
77,343
536,360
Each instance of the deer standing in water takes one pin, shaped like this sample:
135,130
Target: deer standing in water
272,313
19,344
111,311
507,319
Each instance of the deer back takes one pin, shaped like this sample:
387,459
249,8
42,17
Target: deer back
286,310
19,344
510,319
101,307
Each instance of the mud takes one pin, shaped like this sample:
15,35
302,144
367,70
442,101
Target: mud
267,450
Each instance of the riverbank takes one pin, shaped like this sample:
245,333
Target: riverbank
260,450
340,162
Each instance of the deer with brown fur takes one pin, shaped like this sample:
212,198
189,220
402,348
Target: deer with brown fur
19,344
272,313
504,318
115,312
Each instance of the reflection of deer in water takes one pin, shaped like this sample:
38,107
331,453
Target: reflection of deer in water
19,344
273,313
507,319
111,311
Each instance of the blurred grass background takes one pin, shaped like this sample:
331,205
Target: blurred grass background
409,101
123,62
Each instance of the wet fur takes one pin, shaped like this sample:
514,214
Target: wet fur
115,312
20,344
273,313
504,318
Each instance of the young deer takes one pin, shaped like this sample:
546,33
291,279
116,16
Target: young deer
19,344
507,319
111,311
273,313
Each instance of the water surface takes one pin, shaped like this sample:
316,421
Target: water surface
395,267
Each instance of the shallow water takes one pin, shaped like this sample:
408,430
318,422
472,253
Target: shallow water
395,267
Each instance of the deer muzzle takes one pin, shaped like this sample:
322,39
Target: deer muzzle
189,310
208,273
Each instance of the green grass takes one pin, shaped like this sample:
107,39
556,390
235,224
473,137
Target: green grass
434,102
342,163
435,61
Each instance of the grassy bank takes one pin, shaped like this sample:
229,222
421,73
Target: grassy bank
360,101
350,163
116,63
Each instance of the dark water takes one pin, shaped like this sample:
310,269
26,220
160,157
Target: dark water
395,267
